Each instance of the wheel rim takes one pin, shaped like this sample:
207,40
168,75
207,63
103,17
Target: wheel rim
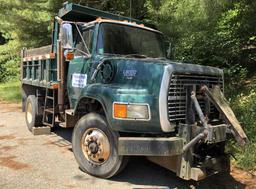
95,146
29,113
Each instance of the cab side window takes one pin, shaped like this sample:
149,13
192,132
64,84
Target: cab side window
88,38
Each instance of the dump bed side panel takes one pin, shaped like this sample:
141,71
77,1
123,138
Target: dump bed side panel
38,51
39,67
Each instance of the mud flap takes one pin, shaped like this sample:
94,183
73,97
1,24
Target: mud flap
220,102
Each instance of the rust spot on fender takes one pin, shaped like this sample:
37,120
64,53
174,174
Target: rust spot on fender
11,163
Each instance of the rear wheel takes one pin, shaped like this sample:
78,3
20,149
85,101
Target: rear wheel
31,116
95,147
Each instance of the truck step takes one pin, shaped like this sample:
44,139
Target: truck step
48,124
53,70
62,124
50,97
45,130
69,112
49,110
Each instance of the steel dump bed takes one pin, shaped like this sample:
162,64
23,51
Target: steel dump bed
39,67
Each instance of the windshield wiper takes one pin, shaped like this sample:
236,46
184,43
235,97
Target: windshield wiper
136,56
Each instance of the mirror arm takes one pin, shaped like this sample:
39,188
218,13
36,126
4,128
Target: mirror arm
59,20
86,54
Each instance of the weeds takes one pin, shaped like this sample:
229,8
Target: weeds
244,106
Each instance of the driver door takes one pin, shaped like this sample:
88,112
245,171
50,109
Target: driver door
79,67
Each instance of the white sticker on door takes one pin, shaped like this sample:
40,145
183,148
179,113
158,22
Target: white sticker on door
79,80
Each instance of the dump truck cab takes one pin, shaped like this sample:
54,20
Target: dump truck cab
110,78
116,66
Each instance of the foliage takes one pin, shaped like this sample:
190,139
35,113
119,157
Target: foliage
208,32
244,106
235,78
22,23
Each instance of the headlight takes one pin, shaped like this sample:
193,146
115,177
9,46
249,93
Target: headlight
131,111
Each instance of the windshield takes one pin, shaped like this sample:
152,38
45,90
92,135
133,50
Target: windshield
127,40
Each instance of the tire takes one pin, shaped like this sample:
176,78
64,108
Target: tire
23,100
31,116
93,127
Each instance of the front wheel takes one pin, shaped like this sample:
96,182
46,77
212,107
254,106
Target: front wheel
95,147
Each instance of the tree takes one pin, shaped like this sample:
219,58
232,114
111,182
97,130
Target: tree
219,33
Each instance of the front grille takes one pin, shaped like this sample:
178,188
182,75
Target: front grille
177,97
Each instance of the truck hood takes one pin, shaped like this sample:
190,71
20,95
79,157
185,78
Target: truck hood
177,66
148,73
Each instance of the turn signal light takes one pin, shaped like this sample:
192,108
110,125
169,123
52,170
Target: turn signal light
55,85
131,111
120,110
69,56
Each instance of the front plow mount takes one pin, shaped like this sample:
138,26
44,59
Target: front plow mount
217,98
198,149
189,165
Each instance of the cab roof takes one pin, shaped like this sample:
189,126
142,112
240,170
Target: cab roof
79,13
124,22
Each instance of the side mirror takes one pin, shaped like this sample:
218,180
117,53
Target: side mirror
169,50
67,36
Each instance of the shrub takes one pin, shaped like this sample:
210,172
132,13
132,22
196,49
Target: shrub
244,106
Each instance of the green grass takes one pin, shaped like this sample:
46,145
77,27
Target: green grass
10,91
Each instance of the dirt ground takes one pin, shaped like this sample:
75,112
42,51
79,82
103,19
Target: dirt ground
28,161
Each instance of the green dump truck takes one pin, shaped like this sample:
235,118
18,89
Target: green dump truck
110,78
